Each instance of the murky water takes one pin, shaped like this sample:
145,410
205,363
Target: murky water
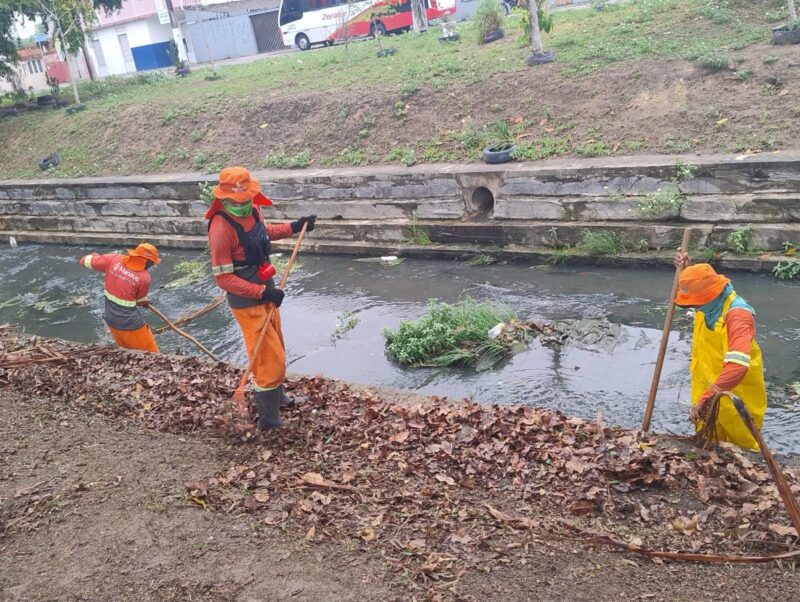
44,291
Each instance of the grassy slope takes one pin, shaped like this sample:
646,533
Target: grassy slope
432,101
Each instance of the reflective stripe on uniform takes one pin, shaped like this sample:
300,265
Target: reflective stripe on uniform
87,262
737,357
257,388
118,301
219,270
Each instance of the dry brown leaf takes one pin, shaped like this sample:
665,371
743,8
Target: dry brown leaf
783,530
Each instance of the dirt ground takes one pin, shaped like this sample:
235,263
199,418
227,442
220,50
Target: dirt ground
667,106
114,523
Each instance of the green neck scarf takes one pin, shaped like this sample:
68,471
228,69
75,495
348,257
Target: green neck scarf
238,209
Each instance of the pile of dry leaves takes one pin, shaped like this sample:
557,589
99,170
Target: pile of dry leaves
436,488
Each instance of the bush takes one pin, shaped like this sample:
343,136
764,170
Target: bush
602,242
741,239
714,59
789,270
283,160
488,18
451,335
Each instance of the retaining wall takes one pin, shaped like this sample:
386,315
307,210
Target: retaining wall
513,209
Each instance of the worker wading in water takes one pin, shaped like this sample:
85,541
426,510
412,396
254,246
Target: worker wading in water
240,244
126,286
725,355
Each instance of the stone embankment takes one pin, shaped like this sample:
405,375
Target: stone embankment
512,211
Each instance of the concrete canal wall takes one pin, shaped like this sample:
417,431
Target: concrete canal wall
515,210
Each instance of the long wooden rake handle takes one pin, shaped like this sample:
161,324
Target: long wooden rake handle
251,362
785,491
662,350
184,334
188,318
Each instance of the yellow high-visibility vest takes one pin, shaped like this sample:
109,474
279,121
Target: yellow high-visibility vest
709,353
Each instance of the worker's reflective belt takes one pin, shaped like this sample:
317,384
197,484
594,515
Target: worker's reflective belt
219,270
118,301
737,357
87,262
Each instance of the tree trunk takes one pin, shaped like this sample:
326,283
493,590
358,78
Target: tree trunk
536,35
792,11
418,16
69,64
86,56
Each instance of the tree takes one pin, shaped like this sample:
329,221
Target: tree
419,17
792,11
66,19
8,46
538,20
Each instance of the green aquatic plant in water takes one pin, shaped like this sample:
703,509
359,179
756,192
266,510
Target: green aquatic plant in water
189,272
457,335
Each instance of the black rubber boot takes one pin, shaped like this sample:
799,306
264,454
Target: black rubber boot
286,401
268,404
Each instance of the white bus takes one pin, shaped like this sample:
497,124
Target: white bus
304,23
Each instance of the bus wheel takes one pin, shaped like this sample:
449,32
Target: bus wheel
302,41
381,29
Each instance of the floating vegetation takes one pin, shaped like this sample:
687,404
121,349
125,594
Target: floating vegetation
189,272
344,323
467,333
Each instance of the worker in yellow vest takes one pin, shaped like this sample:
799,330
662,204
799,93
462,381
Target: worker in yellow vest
725,355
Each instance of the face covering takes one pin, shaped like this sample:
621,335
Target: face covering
238,209
713,309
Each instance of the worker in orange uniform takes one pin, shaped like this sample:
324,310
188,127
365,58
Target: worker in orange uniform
240,243
126,286
725,355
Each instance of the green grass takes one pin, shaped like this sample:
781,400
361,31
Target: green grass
168,111
481,260
602,242
283,160
455,335
417,235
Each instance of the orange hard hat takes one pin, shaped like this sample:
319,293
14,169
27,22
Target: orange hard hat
146,251
236,184
698,284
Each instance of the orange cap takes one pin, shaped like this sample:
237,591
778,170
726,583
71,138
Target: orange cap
146,251
698,284
236,184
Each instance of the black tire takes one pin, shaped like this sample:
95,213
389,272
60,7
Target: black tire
498,156
493,36
302,42
381,29
782,35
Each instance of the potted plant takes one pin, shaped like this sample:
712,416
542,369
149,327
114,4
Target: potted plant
501,144
787,34
488,19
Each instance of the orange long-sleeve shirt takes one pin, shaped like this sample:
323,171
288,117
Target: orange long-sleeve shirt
226,248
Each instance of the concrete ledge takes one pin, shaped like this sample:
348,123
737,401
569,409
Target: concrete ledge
530,205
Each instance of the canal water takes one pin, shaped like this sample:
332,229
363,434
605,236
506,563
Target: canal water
44,291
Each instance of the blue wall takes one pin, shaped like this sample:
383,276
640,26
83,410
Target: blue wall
151,56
